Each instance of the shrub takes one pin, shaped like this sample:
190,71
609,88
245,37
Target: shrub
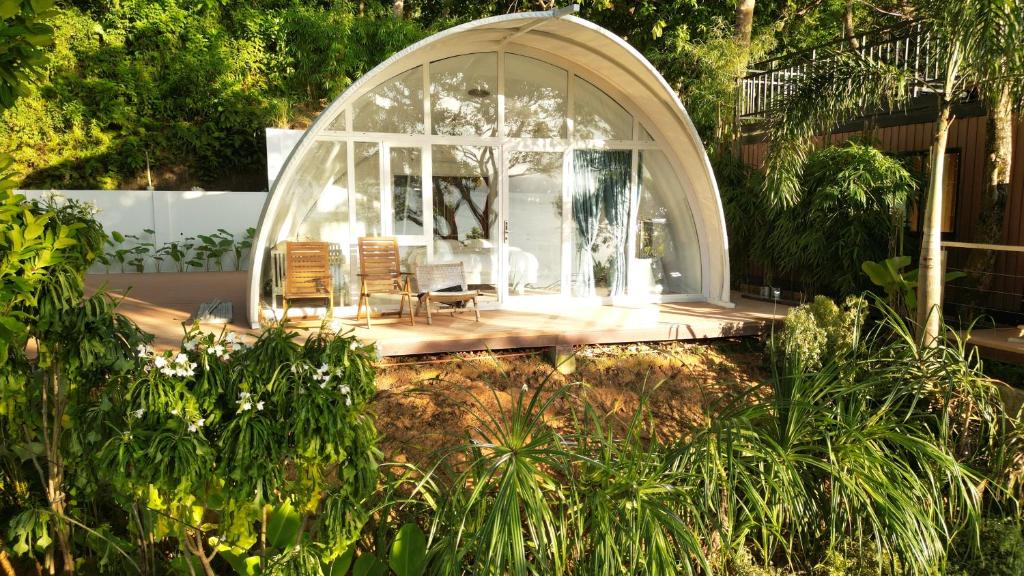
816,333
220,455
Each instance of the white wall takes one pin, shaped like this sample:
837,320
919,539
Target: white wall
171,214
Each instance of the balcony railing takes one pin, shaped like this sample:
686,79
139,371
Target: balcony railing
909,47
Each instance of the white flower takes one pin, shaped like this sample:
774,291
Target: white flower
160,361
138,413
195,426
259,405
143,350
348,401
230,338
181,358
217,350
525,388
226,356
344,389
168,371
244,396
189,345
353,345
245,406
174,412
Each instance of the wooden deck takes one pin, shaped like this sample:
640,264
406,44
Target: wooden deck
160,303
992,343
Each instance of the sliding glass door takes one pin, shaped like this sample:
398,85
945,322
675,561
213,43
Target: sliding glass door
534,223
466,223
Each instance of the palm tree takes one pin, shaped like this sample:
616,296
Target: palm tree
978,44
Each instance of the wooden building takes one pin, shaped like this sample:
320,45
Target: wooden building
909,133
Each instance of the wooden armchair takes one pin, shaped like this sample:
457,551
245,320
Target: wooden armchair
380,273
307,274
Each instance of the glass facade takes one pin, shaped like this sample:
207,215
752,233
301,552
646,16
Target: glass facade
535,179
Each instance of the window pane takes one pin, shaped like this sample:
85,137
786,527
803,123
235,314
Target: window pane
321,200
465,201
535,97
598,117
338,123
535,223
464,95
666,246
396,106
367,176
406,191
645,135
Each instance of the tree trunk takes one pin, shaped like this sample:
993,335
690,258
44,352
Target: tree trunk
998,159
744,21
929,276
744,26
848,29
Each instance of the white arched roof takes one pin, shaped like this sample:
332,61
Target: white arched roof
596,54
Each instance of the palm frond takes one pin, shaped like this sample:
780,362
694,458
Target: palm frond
837,88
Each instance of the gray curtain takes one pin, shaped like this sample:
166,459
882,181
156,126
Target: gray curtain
615,190
586,213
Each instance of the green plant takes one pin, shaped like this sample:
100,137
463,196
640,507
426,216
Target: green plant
819,332
243,246
999,550
900,287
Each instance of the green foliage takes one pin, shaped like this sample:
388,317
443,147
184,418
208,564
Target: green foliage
118,459
24,35
1000,550
820,332
900,287
849,207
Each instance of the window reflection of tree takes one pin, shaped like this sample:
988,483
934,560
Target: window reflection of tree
396,106
455,192
535,95
463,92
598,116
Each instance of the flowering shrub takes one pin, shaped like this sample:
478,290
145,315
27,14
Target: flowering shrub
250,453
814,333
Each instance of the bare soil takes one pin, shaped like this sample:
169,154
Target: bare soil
428,403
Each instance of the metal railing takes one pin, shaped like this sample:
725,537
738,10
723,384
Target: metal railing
992,285
909,47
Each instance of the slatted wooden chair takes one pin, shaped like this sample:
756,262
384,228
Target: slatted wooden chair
380,273
307,274
444,283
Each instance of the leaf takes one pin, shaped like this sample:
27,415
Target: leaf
409,551
368,565
339,566
244,566
9,8
283,525
42,5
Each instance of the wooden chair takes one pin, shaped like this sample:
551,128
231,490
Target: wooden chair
307,274
380,273
446,284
